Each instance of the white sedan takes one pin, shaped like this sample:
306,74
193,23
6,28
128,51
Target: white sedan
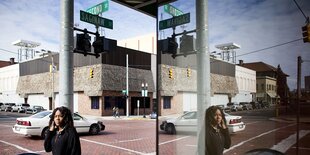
188,123
37,124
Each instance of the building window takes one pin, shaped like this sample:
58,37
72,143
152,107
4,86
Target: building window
167,102
94,102
262,86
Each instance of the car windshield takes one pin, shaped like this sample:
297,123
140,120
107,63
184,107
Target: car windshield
41,114
190,115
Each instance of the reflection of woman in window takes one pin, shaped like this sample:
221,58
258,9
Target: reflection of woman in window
217,135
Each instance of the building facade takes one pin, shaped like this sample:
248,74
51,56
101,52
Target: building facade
95,95
270,82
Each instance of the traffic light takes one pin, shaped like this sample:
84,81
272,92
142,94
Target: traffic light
168,46
170,73
91,73
102,44
83,44
187,44
98,45
189,72
306,33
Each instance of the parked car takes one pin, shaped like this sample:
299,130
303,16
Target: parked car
34,109
255,105
37,124
225,108
235,106
20,107
188,123
8,106
246,106
153,115
2,107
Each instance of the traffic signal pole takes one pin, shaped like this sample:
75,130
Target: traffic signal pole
127,88
203,71
66,55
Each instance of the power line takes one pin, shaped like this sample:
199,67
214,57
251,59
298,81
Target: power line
307,18
8,51
17,53
263,49
269,47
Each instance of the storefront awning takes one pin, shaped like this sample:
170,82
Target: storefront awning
272,94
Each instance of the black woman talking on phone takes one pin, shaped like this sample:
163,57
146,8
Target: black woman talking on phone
217,135
62,138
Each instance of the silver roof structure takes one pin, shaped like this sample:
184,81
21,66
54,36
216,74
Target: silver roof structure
26,43
228,46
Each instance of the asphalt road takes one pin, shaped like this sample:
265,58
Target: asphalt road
124,137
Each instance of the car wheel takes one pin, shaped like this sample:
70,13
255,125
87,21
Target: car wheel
94,129
170,129
44,132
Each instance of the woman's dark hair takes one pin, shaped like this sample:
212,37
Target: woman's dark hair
210,113
67,116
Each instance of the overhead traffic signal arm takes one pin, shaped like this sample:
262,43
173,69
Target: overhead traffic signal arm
306,33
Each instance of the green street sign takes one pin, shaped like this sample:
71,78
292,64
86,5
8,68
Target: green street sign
96,20
97,9
174,21
172,10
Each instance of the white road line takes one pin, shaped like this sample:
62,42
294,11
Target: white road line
287,143
265,133
18,147
132,140
192,145
301,148
173,140
10,126
252,122
117,147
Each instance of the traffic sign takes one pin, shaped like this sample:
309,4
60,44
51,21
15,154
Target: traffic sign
172,10
174,21
96,20
99,8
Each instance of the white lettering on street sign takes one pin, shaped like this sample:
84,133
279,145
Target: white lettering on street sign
97,9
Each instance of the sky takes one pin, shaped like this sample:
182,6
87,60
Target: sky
252,24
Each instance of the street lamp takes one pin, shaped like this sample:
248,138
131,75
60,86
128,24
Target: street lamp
52,70
144,94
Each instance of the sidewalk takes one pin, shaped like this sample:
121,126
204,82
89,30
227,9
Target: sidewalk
119,118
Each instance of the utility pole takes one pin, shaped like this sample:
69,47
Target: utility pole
203,71
66,54
127,88
53,81
299,61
